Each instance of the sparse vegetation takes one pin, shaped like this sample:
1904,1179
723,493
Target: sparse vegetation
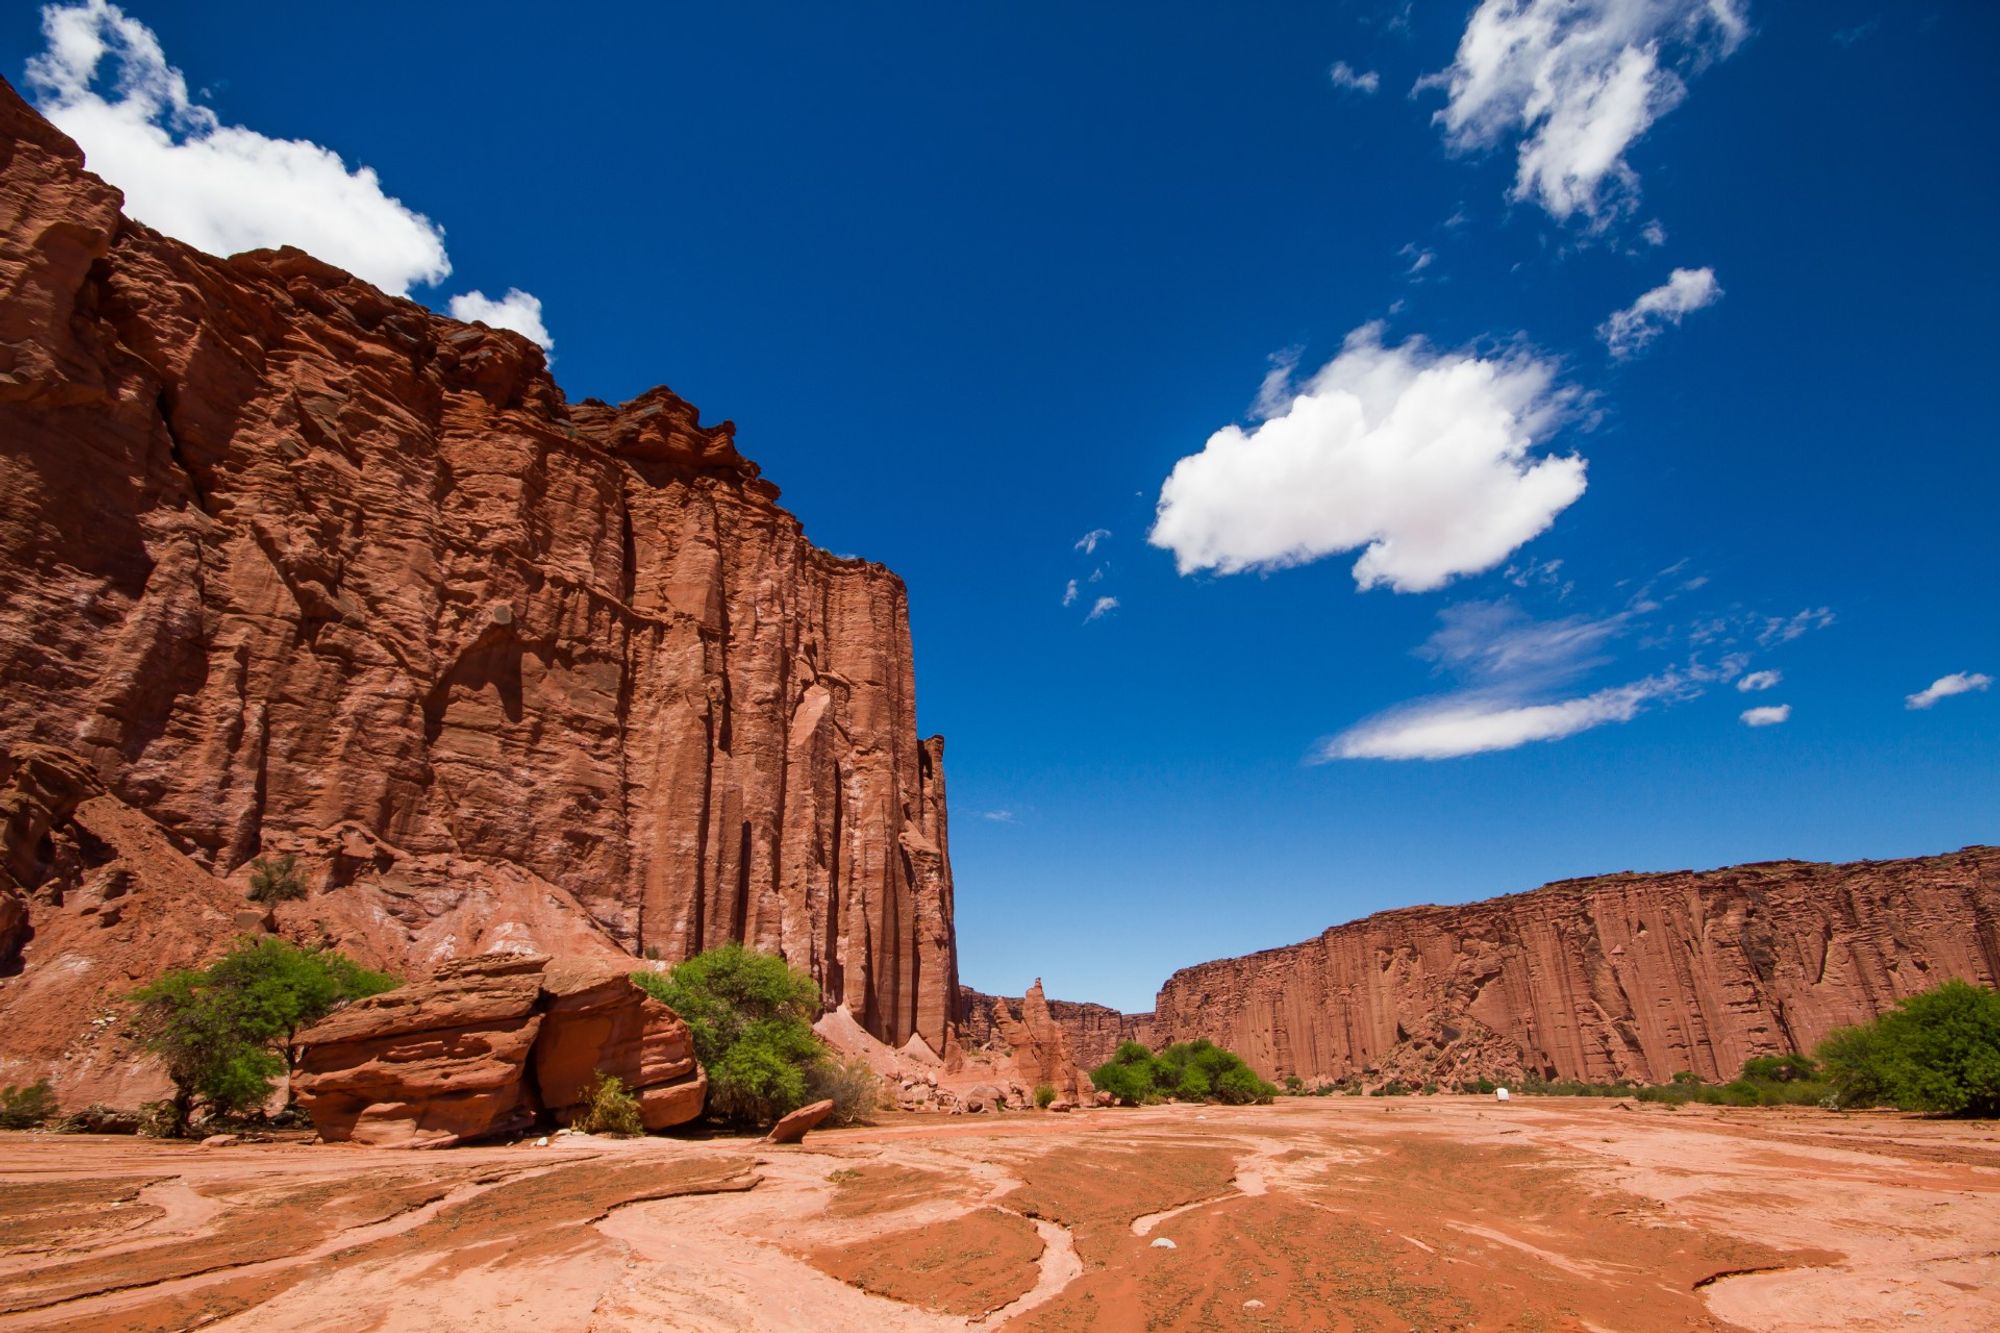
851,1085
226,1031
27,1107
1045,1096
276,879
1189,1071
751,1016
610,1108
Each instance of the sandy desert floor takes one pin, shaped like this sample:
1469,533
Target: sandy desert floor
1424,1213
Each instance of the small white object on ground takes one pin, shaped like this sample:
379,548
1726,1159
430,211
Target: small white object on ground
542,1142
1253,1304
1500,1094
1162,1243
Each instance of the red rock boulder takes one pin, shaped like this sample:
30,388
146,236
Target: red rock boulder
792,1128
487,1046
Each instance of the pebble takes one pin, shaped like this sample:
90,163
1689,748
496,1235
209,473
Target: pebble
1253,1305
1164,1244
542,1142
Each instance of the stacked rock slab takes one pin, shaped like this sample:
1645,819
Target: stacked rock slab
487,1046
1622,976
297,566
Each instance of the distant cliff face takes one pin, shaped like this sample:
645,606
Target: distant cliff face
1090,1031
299,567
1628,975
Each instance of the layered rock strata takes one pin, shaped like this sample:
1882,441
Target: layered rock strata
294,566
488,1046
1621,976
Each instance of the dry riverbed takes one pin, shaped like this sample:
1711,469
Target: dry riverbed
1335,1213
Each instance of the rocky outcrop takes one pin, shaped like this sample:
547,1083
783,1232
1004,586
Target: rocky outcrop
1022,1040
1091,1032
1631,975
487,1046
291,565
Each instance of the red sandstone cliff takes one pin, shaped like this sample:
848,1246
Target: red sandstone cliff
1091,1031
1621,975
299,567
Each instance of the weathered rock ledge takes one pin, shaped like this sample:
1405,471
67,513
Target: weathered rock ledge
488,1046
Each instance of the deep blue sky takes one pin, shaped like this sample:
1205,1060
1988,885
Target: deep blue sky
970,279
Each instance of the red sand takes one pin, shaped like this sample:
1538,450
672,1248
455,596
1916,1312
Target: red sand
1428,1213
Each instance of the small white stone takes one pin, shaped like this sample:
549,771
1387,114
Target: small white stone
1253,1304
1164,1244
542,1142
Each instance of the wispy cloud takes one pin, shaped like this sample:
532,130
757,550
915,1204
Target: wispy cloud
1759,680
1775,630
999,816
1087,543
1425,460
1576,83
1686,290
1944,687
1346,76
1069,593
1770,715
1419,257
1104,606
1849,36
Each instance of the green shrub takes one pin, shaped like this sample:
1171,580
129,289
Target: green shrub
751,1018
1294,1085
276,879
27,1107
851,1085
1045,1096
610,1108
226,1031
1938,1051
1194,1071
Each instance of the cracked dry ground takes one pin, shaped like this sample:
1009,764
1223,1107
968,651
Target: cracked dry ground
1433,1213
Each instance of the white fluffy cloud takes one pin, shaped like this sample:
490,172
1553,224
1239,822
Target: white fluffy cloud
1958,682
1578,82
517,310
1345,75
1759,680
220,187
1768,716
1426,460
1685,290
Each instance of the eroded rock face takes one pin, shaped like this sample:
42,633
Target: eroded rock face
1092,1032
1021,1039
296,566
486,1046
1630,975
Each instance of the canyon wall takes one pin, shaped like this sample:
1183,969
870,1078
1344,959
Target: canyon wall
293,566
1091,1031
1630,975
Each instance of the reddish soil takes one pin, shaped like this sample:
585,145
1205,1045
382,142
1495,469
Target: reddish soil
1432,1213
981,1261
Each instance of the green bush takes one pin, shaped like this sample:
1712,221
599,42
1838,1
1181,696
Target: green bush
276,879
1192,1071
226,1031
1045,1096
25,1108
851,1085
751,1017
1938,1051
610,1108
